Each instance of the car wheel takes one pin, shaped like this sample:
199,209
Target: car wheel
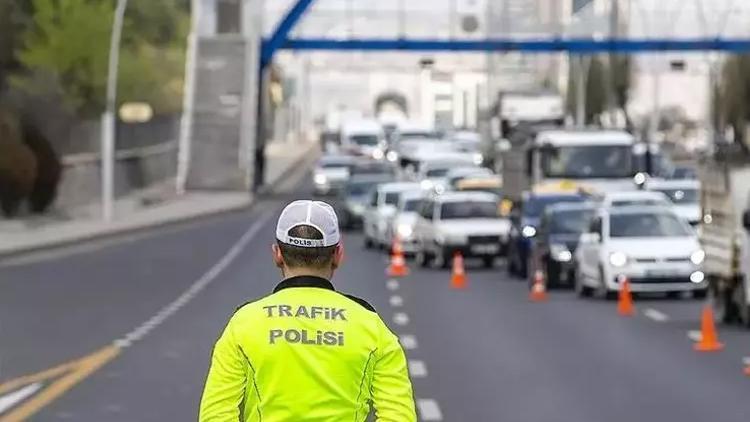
552,277
581,289
488,261
368,242
423,259
523,267
440,260
725,309
740,300
606,293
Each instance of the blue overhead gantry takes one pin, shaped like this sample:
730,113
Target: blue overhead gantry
280,40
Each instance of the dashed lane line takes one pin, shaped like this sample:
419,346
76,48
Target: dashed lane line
392,285
408,341
417,368
198,286
694,335
56,381
655,315
396,301
401,318
429,410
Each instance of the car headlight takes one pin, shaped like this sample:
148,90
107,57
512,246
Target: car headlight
560,253
478,159
618,259
426,184
404,231
698,257
391,156
697,277
320,179
528,231
378,154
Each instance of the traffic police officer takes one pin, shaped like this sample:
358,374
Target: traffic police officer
307,352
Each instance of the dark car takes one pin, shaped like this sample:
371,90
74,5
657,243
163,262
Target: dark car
525,217
352,200
557,239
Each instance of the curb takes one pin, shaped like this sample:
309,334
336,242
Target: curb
108,233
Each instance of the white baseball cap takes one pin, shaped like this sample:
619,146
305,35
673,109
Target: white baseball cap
316,214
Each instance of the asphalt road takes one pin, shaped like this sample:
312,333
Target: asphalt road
480,354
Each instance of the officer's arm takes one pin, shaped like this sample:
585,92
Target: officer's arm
225,385
391,388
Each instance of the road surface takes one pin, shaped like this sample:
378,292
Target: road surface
123,330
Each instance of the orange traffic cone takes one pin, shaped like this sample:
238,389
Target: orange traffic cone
709,341
538,288
458,275
625,298
397,268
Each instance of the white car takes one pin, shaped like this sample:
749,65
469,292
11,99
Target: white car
650,245
623,199
403,223
363,137
434,169
380,208
684,194
465,222
331,173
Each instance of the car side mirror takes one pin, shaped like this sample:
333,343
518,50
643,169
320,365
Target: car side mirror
746,220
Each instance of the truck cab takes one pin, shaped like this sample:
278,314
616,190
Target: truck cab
600,159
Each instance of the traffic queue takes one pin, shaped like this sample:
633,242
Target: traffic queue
566,204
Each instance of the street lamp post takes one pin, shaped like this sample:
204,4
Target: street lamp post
108,118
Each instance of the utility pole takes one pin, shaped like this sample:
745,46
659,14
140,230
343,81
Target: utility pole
188,103
108,118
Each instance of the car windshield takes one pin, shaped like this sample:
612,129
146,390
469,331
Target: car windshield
661,166
417,135
335,164
684,173
682,196
639,201
588,161
360,188
411,205
391,198
570,221
471,209
365,140
436,172
535,206
646,224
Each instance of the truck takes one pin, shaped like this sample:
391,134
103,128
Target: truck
725,231
599,159
514,109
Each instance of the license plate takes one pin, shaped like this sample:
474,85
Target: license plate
485,249
660,273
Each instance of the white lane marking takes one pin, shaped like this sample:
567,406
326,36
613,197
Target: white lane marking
396,301
655,315
746,360
11,399
392,285
200,284
417,369
401,318
408,341
429,410
694,335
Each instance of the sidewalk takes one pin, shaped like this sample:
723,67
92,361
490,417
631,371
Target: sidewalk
132,214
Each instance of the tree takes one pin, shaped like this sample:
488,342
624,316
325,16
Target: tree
69,40
733,96
13,20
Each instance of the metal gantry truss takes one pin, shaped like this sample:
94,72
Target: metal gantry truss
280,40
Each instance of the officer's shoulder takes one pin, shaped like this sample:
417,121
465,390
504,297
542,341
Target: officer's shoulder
249,305
365,304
